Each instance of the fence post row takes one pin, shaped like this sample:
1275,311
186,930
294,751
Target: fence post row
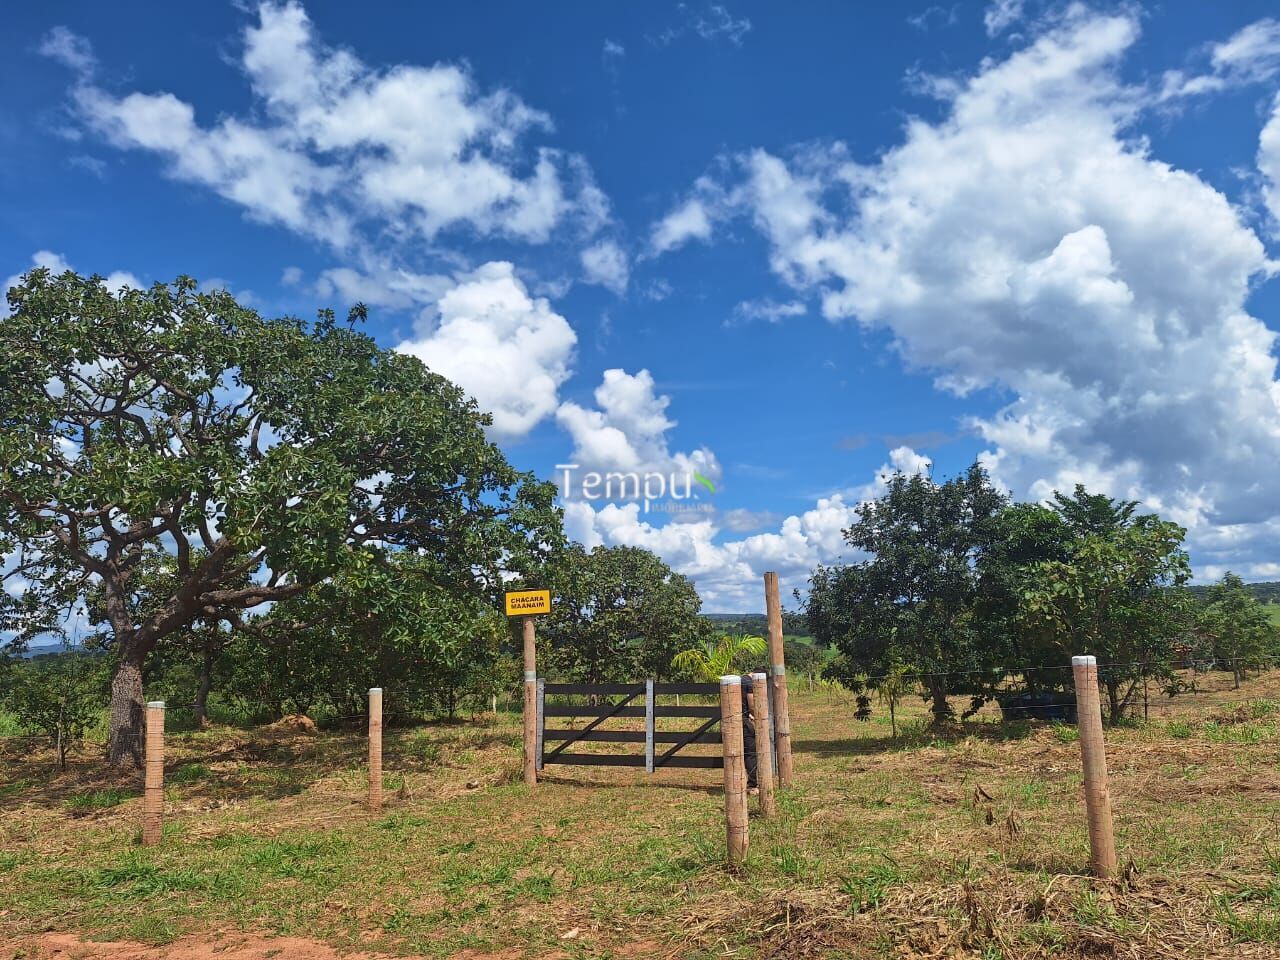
764,746
530,707
375,748
153,776
777,661
735,770
1097,796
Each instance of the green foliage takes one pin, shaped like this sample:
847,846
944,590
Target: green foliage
726,654
914,601
241,461
804,658
1113,594
963,587
897,683
61,696
617,614
1238,630
794,623
377,625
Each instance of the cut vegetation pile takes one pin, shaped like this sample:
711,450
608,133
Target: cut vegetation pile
964,843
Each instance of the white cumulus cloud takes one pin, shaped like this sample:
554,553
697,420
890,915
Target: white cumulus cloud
1029,242
728,572
508,350
627,431
336,149
691,220
1251,55
1000,15
606,264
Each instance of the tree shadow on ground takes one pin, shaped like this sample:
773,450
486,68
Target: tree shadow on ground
225,764
944,736
567,781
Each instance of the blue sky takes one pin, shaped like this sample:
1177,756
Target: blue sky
787,246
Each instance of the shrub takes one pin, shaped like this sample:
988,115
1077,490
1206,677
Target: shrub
61,696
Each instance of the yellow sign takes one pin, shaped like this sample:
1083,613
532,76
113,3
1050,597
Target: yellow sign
522,602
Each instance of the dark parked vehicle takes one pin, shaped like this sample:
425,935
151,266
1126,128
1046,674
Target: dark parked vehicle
1060,707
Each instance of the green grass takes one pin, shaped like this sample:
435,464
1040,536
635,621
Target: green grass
881,841
10,725
97,799
188,773
1273,612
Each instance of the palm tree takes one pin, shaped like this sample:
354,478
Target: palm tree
711,661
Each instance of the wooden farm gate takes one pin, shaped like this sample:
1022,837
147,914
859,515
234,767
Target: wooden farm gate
629,700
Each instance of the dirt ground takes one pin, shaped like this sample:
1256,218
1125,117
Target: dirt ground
61,946
56,946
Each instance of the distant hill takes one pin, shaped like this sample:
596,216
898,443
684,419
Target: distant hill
52,649
1267,591
793,624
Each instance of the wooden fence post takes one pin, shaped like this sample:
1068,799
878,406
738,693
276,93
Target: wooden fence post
153,776
530,703
1097,797
375,748
648,725
778,667
735,769
764,743
540,713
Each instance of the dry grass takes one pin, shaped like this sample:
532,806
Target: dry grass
968,844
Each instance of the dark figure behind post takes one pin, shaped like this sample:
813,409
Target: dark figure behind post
749,733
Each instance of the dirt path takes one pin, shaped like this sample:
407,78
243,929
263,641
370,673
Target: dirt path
62,946
65,946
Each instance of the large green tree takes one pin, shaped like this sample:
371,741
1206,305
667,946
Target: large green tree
617,614
913,601
262,456
1115,593
1237,627
1025,534
388,625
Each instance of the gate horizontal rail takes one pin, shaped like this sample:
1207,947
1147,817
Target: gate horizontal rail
693,710
603,709
629,736
636,760
609,689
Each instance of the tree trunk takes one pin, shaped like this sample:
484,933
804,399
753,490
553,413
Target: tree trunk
941,709
202,690
62,749
125,727
1113,700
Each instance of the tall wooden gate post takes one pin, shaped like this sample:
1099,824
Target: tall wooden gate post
1097,796
540,717
764,743
735,769
649,727
375,748
777,661
530,704
153,776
